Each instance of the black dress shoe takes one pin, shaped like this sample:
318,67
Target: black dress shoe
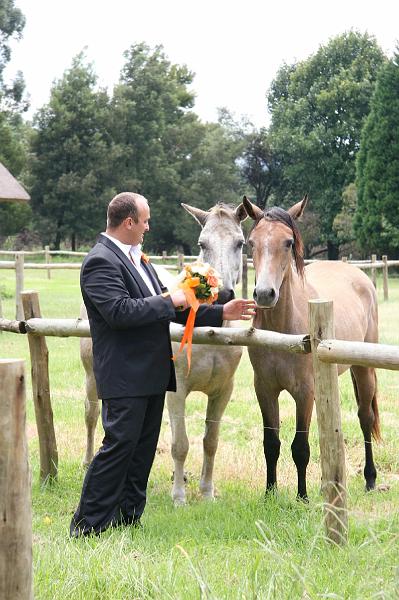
123,520
80,533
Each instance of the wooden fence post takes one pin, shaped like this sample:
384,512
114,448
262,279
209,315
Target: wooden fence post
19,285
15,494
180,261
332,450
47,259
344,259
385,275
41,392
1,309
244,276
164,256
374,271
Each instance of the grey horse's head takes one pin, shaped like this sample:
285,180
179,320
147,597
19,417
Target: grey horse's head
221,241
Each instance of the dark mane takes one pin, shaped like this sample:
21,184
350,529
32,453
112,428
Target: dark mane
276,213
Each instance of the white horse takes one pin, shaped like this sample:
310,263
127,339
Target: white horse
212,368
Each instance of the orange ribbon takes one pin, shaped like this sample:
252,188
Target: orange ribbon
188,287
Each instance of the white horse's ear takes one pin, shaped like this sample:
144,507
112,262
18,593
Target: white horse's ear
297,210
253,211
240,213
198,214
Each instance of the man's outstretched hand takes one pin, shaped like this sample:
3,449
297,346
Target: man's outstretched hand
239,309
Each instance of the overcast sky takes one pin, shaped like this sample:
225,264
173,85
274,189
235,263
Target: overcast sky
234,48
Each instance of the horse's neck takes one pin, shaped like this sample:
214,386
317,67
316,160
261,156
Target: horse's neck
290,313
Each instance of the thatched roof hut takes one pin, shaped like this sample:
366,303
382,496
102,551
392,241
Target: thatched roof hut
10,189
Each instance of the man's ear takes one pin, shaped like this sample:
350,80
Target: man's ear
198,214
253,211
297,210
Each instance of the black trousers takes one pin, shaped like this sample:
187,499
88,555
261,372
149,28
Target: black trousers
114,489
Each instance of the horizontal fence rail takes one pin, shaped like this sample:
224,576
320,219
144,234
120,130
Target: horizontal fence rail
364,354
219,336
382,356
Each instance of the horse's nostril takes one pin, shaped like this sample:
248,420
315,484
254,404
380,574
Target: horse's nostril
272,293
255,295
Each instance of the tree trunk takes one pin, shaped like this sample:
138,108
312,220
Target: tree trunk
332,250
57,240
73,242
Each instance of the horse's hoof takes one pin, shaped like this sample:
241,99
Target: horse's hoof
208,497
177,502
302,498
271,490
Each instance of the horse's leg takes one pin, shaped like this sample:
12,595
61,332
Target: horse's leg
268,403
91,415
365,385
176,402
214,413
300,446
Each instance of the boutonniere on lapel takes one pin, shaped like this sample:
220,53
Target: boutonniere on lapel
145,258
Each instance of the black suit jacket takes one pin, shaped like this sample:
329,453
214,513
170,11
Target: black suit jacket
132,353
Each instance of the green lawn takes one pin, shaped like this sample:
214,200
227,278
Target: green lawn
238,547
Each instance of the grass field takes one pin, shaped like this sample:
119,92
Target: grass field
240,546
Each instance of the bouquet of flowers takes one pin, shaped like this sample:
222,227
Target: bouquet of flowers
201,284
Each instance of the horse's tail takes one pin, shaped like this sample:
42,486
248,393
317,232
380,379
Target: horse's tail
376,430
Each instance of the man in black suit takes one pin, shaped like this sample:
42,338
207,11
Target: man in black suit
129,312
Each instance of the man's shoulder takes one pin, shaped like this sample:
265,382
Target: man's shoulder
103,247
100,252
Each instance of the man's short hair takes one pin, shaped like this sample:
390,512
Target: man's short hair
121,207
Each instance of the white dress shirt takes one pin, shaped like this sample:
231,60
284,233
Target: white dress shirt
134,255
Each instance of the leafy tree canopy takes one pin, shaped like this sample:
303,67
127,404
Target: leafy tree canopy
258,166
70,157
13,132
318,107
163,151
377,216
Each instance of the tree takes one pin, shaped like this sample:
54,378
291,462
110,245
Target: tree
318,108
377,216
13,132
210,172
343,224
150,107
163,151
259,167
70,158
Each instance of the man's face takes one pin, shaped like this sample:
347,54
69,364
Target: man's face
137,230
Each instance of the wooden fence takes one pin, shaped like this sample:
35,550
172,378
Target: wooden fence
19,265
327,353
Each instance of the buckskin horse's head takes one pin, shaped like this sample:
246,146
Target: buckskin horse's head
276,243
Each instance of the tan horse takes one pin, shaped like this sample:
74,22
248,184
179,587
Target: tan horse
212,368
283,288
